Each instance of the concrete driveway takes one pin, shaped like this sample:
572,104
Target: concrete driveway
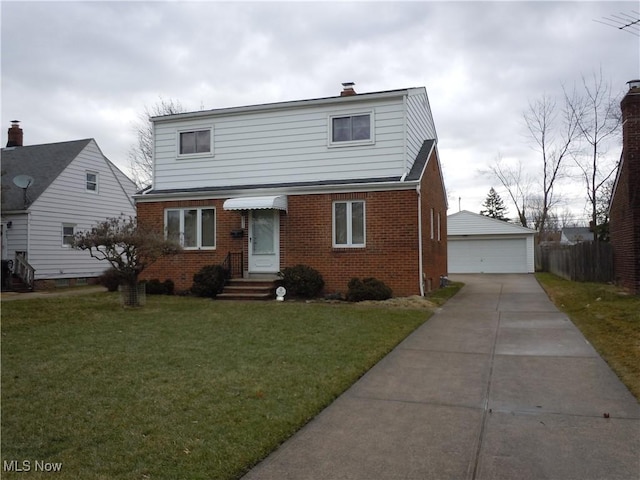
497,385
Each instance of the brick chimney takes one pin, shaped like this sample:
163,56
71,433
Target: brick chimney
347,89
630,106
624,210
15,134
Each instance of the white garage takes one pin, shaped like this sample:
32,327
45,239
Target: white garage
479,244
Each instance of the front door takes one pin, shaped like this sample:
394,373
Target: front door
264,241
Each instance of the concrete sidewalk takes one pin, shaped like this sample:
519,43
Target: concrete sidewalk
497,385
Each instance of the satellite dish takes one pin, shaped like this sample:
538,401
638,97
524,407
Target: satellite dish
23,181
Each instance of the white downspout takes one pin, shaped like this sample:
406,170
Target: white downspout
420,240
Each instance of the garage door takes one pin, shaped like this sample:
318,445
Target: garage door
487,256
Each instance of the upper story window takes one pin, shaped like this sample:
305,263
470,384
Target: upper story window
349,224
351,129
193,228
195,142
91,182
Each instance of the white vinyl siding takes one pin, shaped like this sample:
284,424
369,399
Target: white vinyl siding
282,146
193,228
420,125
16,237
349,224
67,201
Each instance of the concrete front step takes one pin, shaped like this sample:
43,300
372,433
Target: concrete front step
248,289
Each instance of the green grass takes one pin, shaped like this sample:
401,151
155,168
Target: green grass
439,297
607,317
182,388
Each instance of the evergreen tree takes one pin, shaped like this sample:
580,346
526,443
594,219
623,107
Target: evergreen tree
494,206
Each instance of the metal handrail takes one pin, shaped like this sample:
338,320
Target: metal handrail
232,265
25,271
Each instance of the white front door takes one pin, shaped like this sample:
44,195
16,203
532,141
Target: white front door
264,241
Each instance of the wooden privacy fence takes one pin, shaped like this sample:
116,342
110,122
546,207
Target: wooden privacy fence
582,262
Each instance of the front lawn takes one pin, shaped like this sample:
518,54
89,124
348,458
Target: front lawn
607,317
182,388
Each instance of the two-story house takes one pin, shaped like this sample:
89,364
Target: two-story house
50,192
350,185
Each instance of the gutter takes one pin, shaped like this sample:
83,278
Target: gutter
420,268
277,190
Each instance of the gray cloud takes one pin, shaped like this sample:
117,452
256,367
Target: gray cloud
87,69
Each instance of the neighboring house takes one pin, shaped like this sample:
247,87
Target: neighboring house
573,235
50,192
479,244
624,210
350,185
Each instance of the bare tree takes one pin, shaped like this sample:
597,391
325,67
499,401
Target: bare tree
128,247
141,154
554,133
598,117
516,182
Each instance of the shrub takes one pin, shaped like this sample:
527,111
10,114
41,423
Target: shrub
209,281
110,279
155,287
367,289
302,281
169,286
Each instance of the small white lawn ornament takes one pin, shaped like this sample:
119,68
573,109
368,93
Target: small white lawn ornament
280,293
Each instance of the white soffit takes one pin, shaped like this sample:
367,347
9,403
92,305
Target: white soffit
278,202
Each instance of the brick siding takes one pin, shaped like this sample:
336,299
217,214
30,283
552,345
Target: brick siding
625,206
391,253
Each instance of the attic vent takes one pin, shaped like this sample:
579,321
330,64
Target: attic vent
347,89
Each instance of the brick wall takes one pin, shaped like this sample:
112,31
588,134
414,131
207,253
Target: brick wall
433,197
625,206
391,252
181,267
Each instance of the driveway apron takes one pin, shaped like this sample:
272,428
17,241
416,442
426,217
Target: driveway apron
496,385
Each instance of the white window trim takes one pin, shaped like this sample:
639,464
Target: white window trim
198,227
439,229
432,225
86,181
67,225
208,154
349,243
372,132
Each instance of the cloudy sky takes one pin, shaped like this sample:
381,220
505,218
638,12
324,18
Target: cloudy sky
73,70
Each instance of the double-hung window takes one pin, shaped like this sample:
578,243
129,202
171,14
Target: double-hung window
193,228
351,129
68,231
195,142
91,182
349,224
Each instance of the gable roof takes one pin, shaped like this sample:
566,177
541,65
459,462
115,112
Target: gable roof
42,162
290,104
576,234
469,223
